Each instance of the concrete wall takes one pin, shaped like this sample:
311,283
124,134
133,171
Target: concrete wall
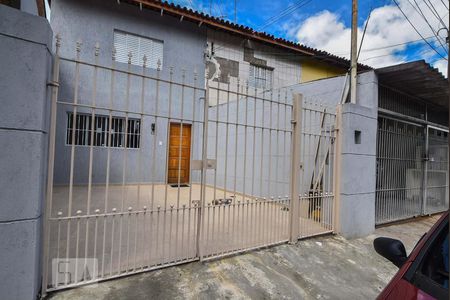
25,62
95,21
357,177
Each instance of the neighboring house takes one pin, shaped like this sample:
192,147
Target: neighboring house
404,126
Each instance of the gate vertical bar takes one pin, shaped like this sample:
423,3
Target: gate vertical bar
51,161
296,167
337,169
425,172
204,168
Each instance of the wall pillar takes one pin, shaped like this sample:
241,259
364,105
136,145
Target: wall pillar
357,172
25,60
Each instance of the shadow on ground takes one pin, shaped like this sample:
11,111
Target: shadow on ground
329,267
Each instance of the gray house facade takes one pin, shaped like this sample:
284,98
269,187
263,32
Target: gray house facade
179,49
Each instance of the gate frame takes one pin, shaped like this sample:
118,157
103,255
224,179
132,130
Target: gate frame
296,167
50,166
425,125
201,215
427,128
337,170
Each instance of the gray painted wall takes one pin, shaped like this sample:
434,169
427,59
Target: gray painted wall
95,21
25,62
263,161
29,6
356,208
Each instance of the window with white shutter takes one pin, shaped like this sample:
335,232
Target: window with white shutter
139,46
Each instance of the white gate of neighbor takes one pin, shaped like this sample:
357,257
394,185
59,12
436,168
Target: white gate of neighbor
412,170
149,167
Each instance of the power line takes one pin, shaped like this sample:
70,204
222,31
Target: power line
286,9
419,10
434,12
284,13
364,33
377,56
394,45
219,8
288,54
278,16
409,21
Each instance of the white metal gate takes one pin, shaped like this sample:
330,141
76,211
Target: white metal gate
317,157
412,170
436,170
249,139
110,208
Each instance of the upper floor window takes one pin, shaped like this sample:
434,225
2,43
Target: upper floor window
124,43
260,77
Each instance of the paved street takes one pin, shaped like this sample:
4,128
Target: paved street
327,267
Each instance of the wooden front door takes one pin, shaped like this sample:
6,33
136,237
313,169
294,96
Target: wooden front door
179,153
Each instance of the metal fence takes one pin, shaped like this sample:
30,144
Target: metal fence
249,134
154,167
412,170
436,181
317,152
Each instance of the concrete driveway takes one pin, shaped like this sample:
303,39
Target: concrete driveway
327,267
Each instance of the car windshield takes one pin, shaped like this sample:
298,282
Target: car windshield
436,262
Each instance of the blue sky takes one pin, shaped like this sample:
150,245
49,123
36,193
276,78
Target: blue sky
325,24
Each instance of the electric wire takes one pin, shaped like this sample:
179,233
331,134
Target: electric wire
417,31
434,12
364,34
420,12
284,13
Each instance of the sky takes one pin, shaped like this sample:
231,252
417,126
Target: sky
325,24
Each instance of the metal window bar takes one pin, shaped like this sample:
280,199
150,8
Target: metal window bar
98,136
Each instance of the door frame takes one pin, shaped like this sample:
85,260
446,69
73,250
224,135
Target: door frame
181,125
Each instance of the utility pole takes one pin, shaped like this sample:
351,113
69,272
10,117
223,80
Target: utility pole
354,51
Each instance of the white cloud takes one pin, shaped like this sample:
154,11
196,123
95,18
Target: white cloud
441,65
387,26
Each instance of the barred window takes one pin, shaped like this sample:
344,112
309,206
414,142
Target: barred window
124,43
80,133
260,77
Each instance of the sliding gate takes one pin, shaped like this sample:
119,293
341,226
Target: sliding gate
148,168
412,170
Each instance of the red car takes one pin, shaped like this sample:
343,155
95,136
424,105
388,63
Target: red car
424,273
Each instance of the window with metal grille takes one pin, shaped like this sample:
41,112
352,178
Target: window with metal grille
260,77
79,132
138,46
